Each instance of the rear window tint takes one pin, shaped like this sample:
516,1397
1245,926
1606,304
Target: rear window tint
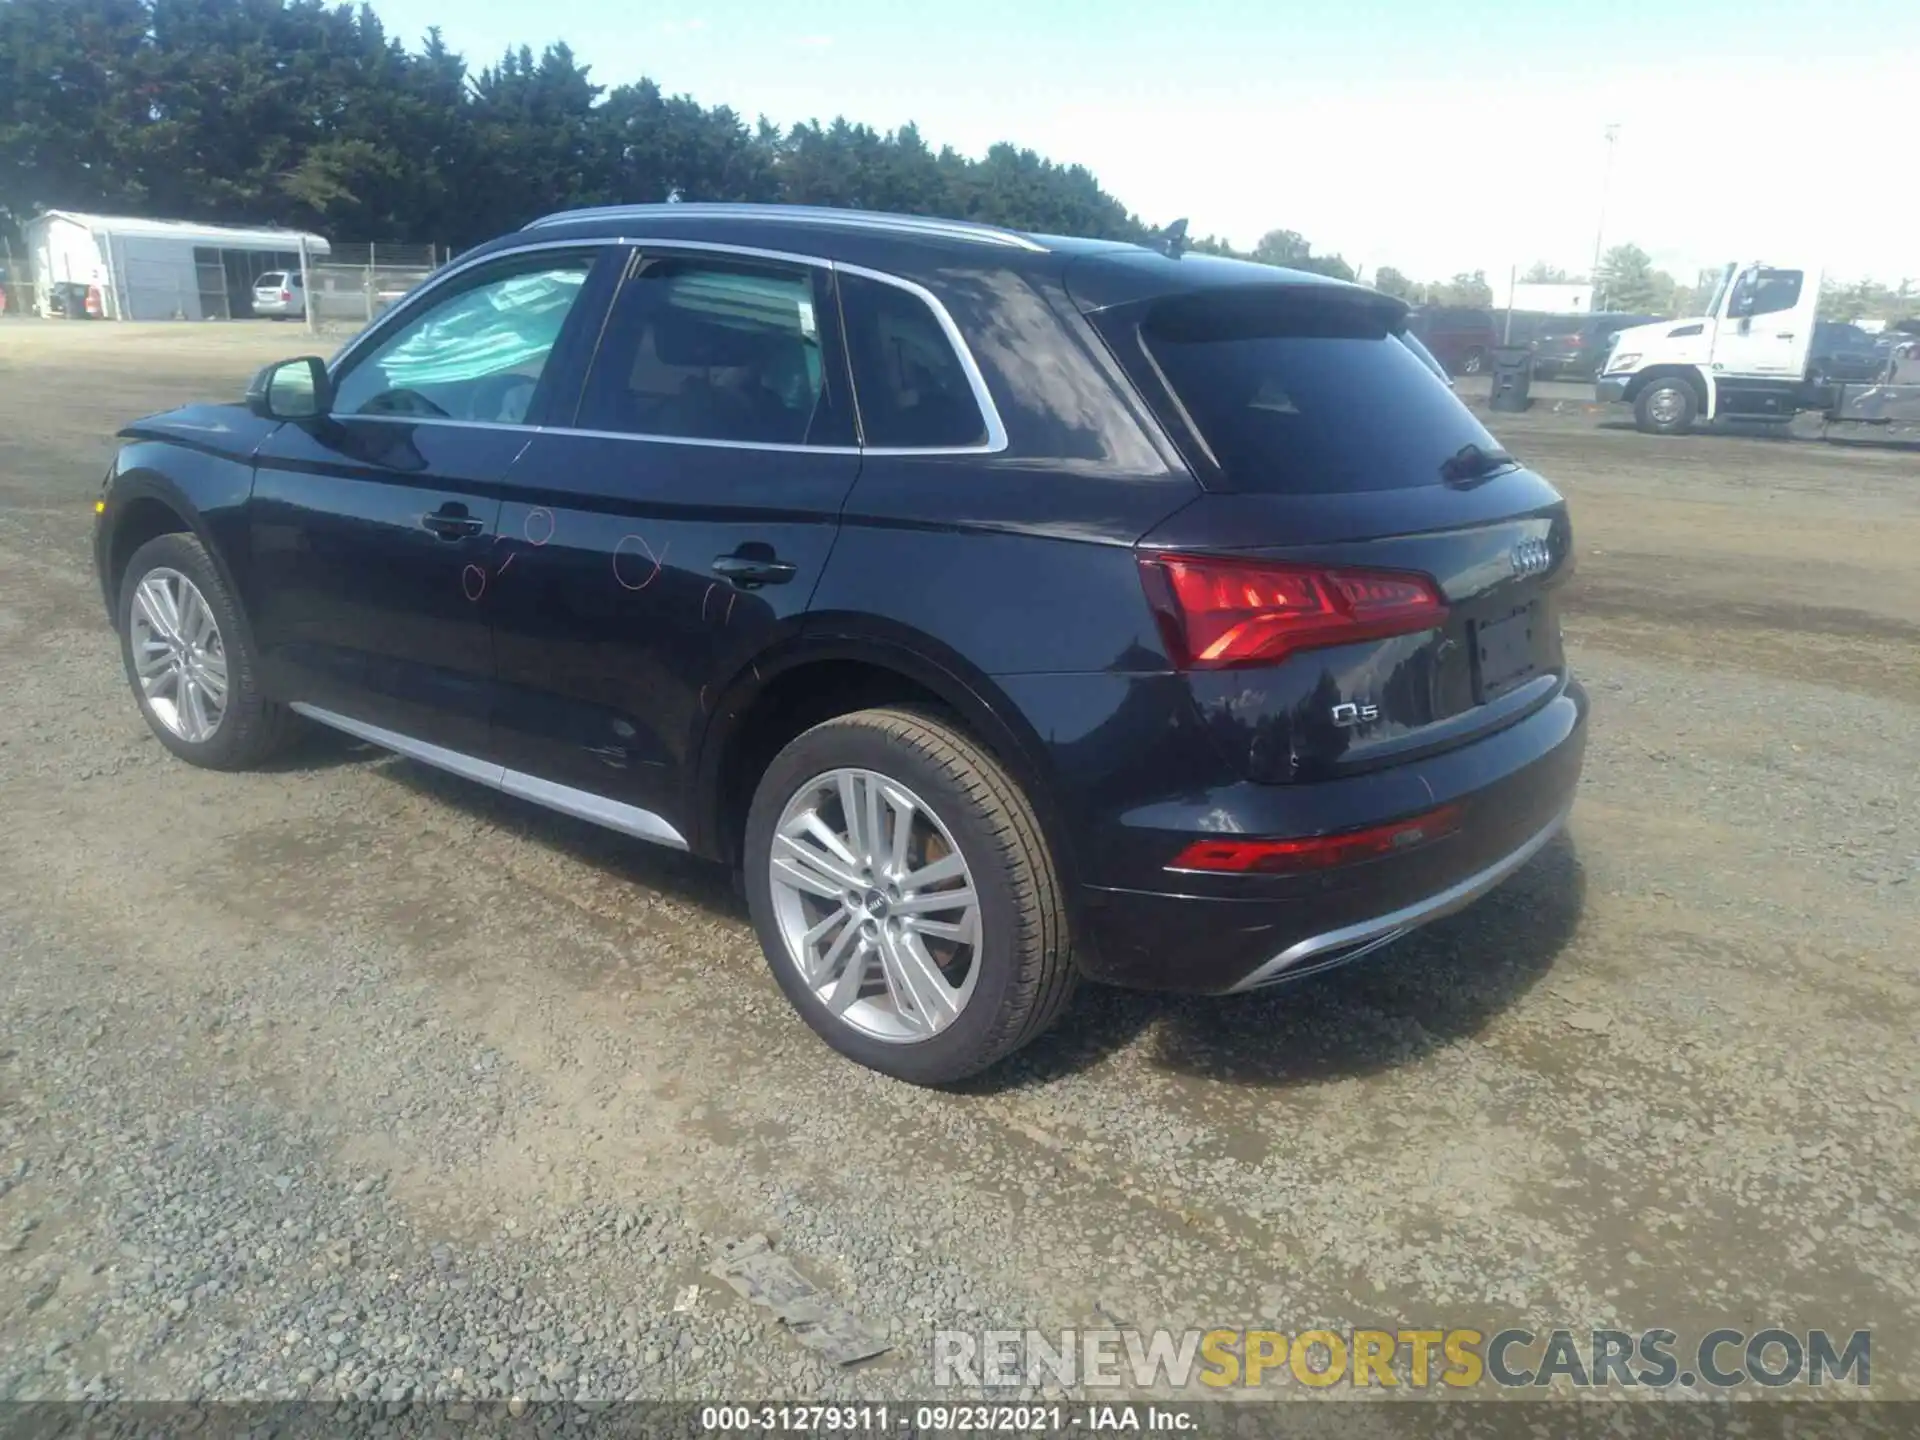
1320,401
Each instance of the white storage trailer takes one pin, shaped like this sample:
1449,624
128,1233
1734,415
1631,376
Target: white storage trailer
159,269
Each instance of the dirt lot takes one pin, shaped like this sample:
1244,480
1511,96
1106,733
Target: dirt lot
348,1079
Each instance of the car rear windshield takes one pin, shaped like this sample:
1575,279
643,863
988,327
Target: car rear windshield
1309,395
272,280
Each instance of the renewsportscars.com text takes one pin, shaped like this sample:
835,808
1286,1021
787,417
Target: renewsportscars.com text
1389,1359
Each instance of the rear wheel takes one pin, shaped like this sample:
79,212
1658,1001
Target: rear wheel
1666,407
189,658
905,896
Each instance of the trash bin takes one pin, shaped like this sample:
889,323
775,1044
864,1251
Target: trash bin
1512,378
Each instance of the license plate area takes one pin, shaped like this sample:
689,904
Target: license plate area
1504,654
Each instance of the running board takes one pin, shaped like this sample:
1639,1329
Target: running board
581,804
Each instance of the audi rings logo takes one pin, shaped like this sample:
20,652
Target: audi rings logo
1531,557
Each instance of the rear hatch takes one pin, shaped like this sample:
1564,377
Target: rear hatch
1367,578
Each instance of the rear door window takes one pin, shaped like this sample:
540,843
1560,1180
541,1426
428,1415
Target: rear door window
718,350
1301,394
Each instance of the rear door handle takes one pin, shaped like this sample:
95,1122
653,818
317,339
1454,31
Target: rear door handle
1784,335
452,522
748,571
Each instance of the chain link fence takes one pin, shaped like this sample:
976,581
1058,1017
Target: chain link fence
355,283
350,286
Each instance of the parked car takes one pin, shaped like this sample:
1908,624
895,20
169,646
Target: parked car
1575,347
1462,340
1844,353
1009,610
279,295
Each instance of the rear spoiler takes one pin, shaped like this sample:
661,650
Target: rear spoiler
1250,311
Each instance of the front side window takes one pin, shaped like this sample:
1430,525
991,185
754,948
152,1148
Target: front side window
715,350
1769,291
476,353
914,393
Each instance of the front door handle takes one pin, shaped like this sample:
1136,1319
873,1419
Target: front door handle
452,522
750,571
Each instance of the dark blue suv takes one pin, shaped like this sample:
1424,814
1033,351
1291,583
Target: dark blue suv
1008,609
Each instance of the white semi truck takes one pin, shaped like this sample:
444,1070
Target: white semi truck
1747,357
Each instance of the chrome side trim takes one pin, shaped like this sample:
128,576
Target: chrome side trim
584,805
452,761
976,382
1384,928
802,215
581,804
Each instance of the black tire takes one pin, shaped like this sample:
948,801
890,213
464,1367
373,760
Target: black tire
252,729
1027,970
1673,397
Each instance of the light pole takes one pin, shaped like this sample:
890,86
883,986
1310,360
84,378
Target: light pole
1600,231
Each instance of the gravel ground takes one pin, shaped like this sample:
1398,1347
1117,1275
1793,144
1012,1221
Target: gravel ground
349,1080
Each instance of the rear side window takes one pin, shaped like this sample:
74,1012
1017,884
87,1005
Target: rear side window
1307,396
914,393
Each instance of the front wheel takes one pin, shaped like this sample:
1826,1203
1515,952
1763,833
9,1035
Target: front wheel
1666,407
190,660
905,896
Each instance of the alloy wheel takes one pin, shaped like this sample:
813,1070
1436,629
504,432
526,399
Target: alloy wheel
1666,405
179,658
876,905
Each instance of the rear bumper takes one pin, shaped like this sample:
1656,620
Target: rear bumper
1231,933
1350,942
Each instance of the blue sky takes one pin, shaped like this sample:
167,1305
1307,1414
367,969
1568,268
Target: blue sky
1434,137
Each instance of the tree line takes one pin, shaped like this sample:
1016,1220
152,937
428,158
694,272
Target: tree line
300,113
310,115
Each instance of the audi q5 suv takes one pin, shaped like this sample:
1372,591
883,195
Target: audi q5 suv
1009,609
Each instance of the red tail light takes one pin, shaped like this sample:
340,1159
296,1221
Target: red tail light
286,295
1219,613
1229,855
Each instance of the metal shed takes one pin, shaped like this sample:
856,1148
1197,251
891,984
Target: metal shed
159,269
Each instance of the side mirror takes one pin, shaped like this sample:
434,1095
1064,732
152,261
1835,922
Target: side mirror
292,390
